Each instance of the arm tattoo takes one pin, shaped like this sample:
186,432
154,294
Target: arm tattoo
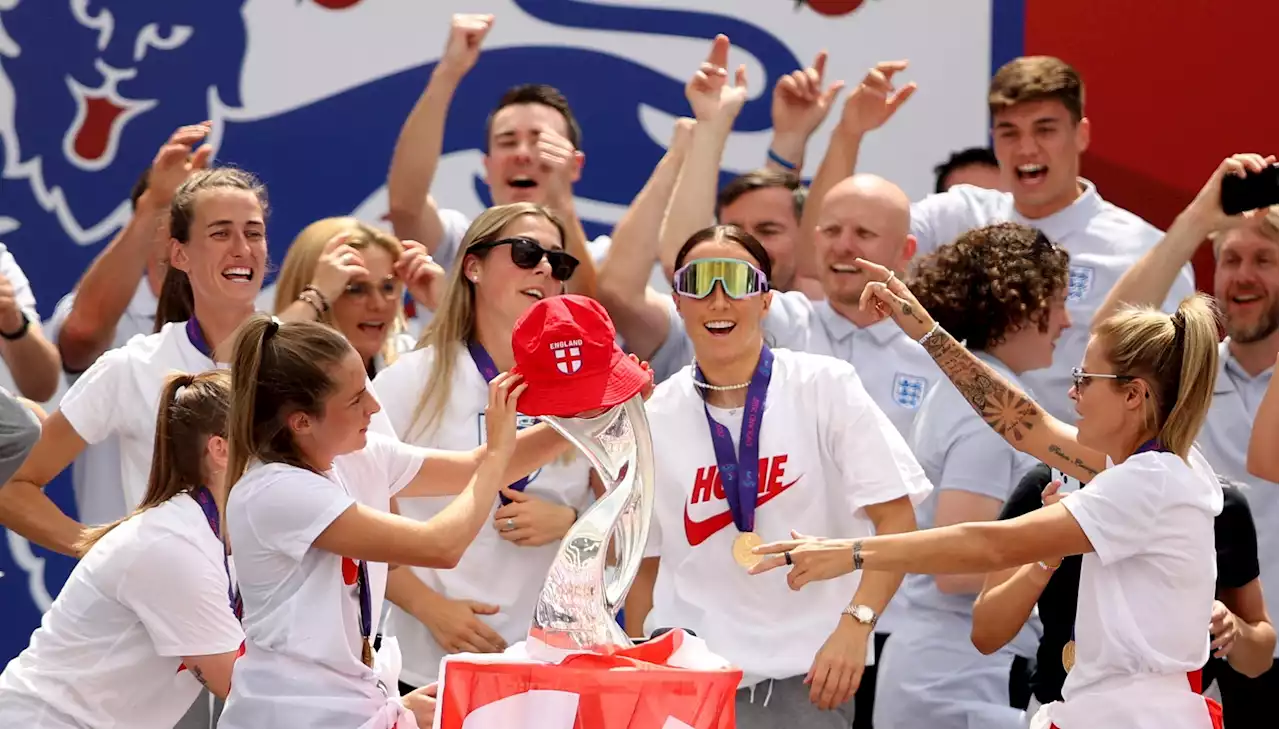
195,672
1056,450
1008,411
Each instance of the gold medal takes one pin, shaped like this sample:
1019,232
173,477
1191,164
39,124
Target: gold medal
1069,655
742,546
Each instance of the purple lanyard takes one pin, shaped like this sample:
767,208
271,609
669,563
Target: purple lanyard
739,473
366,606
197,338
489,370
204,498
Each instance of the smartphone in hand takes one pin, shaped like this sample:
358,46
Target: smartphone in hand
1253,191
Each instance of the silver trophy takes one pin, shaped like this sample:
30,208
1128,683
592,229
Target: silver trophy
577,609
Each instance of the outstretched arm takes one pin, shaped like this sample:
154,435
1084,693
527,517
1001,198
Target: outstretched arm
1262,460
1016,417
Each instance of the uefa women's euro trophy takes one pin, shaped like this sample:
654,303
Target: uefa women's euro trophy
583,385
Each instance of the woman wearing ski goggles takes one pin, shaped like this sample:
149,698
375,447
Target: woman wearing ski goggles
759,442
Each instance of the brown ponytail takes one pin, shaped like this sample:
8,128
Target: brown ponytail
192,409
176,302
277,369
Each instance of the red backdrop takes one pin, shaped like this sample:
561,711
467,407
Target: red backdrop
1171,89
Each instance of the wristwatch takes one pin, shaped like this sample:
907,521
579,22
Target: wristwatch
862,614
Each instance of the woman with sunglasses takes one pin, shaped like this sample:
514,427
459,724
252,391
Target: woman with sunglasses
512,257
351,276
1144,524
756,443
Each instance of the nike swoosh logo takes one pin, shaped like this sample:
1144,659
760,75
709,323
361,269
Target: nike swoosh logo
698,532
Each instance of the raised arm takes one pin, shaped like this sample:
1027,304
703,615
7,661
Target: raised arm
716,102
1148,282
1262,460
799,107
412,211
1017,418
107,286
637,311
868,107
364,533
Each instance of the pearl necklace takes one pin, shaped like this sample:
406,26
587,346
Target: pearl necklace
717,388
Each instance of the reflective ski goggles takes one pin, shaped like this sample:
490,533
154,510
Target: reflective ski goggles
527,253
737,278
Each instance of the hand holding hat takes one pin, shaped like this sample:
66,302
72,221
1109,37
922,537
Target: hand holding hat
567,352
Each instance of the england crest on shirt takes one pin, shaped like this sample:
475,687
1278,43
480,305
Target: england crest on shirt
1079,282
908,390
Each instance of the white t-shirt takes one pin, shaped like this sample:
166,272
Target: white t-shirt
119,397
100,497
1224,441
107,654
959,452
896,371
1103,241
492,570
301,666
25,299
827,452
1146,594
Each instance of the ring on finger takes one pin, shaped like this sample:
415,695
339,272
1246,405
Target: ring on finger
889,280
787,557
509,525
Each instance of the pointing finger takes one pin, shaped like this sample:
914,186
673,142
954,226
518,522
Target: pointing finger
719,55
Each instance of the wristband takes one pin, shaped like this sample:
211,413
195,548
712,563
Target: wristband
773,156
313,298
929,334
324,300
22,330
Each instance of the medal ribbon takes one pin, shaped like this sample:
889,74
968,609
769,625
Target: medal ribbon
204,498
489,370
1152,445
740,472
197,338
366,614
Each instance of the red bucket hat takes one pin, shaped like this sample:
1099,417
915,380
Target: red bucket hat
565,348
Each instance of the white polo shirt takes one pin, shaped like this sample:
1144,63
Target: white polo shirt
108,652
1224,441
827,452
960,452
1146,595
895,370
1103,241
100,497
492,570
119,397
302,665
26,301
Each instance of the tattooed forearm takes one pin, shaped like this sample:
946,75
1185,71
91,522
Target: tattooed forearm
1008,411
195,673
1056,450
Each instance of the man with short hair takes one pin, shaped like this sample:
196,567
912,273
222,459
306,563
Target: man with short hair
1246,285
975,166
1040,131
766,204
532,154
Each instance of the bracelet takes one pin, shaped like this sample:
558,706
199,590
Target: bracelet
775,158
1047,567
929,334
324,300
22,330
311,297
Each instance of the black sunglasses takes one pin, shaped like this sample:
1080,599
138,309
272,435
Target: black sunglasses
527,253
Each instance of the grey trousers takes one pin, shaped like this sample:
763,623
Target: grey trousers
203,714
784,704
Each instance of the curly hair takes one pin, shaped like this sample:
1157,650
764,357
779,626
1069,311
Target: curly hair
990,282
